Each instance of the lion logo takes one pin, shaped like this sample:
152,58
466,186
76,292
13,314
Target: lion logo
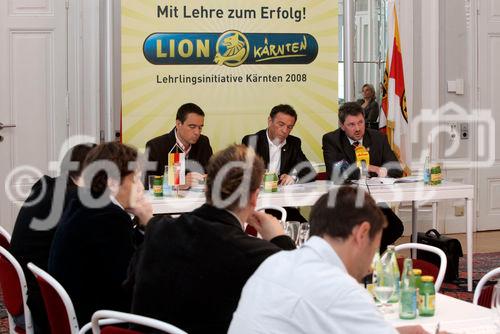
232,49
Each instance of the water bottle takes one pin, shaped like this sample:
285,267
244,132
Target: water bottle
391,255
408,292
427,170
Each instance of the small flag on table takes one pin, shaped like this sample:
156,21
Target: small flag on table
176,166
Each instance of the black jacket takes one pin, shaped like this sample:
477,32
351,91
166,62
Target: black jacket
192,269
336,147
291,155
90,256
159,148
30,245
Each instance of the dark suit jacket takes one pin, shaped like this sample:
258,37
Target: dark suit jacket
192,269
336,147
29,245
159,147
90,256
291,155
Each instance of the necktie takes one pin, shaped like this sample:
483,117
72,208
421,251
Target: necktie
355,144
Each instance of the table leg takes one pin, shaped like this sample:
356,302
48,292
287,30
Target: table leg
414,230
470,220
435,215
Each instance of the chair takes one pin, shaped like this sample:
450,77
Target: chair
442,255
4,238
60,309
99,316
15,292
483,296
250,230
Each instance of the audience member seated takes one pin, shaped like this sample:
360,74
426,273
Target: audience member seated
187,135
315,289
339,145
192,269
36,224
96,238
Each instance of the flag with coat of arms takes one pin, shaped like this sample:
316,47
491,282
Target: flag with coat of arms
176,166
394,116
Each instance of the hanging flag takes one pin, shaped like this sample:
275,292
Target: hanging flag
176,166
394,118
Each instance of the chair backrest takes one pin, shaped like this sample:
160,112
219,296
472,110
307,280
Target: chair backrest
428,248
428,269
15,290
129,318
58,304
250,230
4,238
479,288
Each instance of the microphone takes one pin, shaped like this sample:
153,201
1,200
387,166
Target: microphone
362,160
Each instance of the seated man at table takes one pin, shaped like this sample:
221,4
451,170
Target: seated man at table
36,224
282,152
339,145
315,289
192,269
96,237
187,135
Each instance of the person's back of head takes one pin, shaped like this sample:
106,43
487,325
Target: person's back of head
106,161
338,212
73,161
233,174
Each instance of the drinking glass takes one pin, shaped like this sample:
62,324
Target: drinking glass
151,180
303,233
495,305
292,230
384,283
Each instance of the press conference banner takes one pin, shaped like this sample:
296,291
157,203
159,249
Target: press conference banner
236,60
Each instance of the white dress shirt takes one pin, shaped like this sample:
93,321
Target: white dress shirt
274,155
307,290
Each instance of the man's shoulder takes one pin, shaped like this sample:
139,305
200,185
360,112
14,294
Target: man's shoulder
203,140
293,140
333,135
169,136
261,135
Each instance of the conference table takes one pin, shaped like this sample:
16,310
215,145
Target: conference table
453,315
307,194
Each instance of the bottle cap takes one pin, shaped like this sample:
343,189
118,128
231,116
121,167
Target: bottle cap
427,279
417,271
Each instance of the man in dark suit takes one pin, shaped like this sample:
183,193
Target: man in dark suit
339,146
94,244
31,243
282,152
192,269
187,134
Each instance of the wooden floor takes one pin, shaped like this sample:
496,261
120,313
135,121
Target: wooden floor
484,242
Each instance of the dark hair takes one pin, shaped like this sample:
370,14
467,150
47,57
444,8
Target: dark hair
338,219
77,153
188,108
117,153
234,176
349,108
283,108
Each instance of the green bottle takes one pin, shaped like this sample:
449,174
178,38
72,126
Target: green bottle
391,254
408,292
